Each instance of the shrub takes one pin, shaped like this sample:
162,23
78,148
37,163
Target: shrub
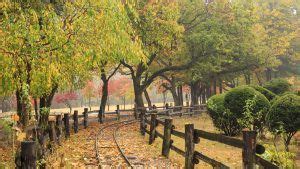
267,93
284,117
280,158
222,118
278,86
248,105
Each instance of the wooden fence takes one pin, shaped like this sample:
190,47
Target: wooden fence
63,124
192,136
60,125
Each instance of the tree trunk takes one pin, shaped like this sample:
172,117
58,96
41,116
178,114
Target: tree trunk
180,95
148,98
268,74
214,86
175,96
46,102
36,109
258,79
22,109
203,96
165,97
220,86
104,96
19,104
138,99
194,93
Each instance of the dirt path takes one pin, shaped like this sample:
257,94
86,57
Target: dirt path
79,150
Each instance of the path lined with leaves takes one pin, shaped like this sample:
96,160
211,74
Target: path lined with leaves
79,150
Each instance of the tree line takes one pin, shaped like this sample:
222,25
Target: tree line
51,46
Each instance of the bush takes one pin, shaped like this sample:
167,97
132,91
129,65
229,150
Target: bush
267,93
222,118
278,86
280,158
248,105
284,116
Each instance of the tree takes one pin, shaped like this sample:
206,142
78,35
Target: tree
124,89
283,117
66,98
39,51
89,91
155,24
278,27
112,44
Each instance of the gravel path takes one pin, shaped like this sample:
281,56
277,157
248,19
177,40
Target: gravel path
79,150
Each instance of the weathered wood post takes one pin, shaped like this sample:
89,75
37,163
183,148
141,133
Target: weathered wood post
118,112
58,127
143,124
67,125
189,146
52,132
167,137
85,117
152,128
248,153
28,155
100,115
75,118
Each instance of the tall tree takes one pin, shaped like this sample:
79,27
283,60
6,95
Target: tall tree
155,24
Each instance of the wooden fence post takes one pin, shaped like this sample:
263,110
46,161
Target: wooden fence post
75,118
85,117
249,138
67,125
28,155
152,128
167,137
118,112
52,132
58,127
142,124
189,146
100,115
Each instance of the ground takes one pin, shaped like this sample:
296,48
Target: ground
79,150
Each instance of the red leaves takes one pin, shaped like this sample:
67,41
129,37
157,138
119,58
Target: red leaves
64,97
89,90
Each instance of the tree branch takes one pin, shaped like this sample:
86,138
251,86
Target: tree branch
166,69
114,72
128,66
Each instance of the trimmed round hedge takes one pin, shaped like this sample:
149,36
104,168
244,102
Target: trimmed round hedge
278,86
267,93
222,118
285,114
236,99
